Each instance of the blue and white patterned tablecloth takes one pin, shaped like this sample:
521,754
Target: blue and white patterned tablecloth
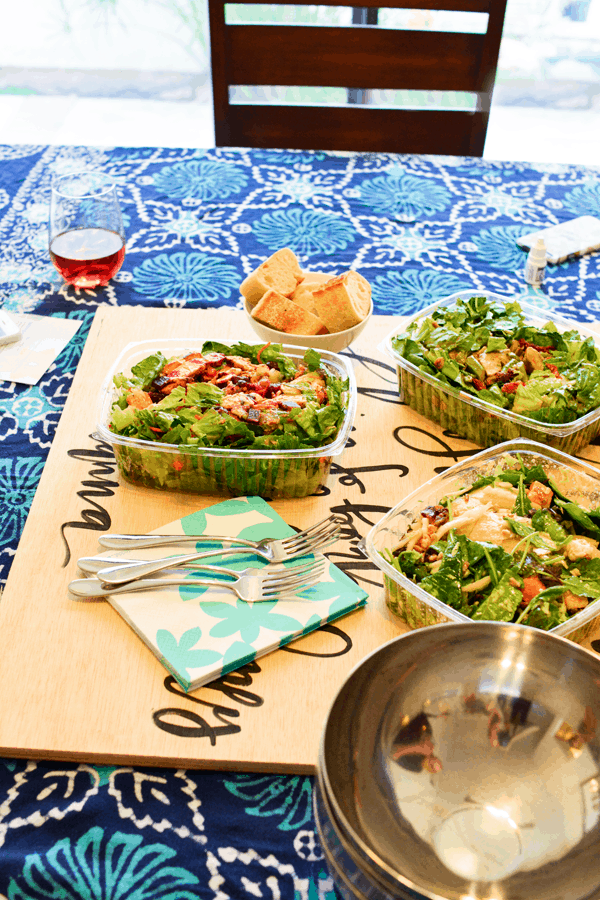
197,222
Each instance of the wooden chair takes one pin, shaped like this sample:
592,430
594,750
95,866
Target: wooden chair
358,56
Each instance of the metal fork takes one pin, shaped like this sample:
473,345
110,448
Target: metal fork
251,585
311,540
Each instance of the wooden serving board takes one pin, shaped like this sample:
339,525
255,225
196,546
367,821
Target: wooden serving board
76,681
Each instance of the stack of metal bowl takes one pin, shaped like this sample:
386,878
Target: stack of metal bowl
462,762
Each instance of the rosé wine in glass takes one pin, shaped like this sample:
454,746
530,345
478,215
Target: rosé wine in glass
87,239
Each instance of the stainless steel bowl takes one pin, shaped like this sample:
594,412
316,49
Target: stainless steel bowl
461,762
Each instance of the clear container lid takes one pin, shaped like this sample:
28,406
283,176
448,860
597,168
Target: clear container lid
534,317
135,352
583,485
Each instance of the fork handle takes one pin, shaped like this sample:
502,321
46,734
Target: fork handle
138,541
95,564
125,573
91,565
93,587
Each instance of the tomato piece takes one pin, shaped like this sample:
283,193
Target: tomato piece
532,586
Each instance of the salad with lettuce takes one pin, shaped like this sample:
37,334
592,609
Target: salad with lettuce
510,548
488,349
239,396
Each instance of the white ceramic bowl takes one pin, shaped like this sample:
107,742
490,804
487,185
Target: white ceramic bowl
335,342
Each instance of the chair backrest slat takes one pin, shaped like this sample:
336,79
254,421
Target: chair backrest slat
343,57
452,5
456,133
366,57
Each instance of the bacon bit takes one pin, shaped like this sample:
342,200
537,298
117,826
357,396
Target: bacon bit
478,385
177,465
525,343
439,363
553,369
260,351
511,387
435,515
504,377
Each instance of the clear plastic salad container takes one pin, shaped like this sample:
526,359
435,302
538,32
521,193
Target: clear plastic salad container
269,473
415,606
484,423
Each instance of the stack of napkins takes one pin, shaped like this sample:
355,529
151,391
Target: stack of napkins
201,633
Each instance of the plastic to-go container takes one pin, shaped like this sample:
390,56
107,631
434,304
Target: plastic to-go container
220,470
479,421
418,608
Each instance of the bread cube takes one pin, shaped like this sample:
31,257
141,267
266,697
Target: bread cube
343,301
279,312
280,272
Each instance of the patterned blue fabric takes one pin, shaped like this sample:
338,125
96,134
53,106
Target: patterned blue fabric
197,222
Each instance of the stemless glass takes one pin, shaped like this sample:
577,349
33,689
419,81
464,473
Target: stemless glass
87,239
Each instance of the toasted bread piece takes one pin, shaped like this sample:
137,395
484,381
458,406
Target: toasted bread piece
303,295
280,272
343,302
317,277
277,311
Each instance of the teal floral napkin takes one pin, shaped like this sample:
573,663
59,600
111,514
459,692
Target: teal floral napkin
201,633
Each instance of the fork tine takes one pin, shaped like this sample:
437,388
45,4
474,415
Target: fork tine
292,580
306,538
308,532
293,571
282,594
313,543
328,535
281,583
284,580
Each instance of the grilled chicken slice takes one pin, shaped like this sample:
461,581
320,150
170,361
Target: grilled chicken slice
180,371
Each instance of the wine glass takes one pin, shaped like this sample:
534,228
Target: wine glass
87,239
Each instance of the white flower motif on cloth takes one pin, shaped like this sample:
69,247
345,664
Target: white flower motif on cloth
18,151
145,800
483,202
307,846
20,300
16,273
38,239
123,277
167,226
265,873
403,243
308,188
37,213
58,793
